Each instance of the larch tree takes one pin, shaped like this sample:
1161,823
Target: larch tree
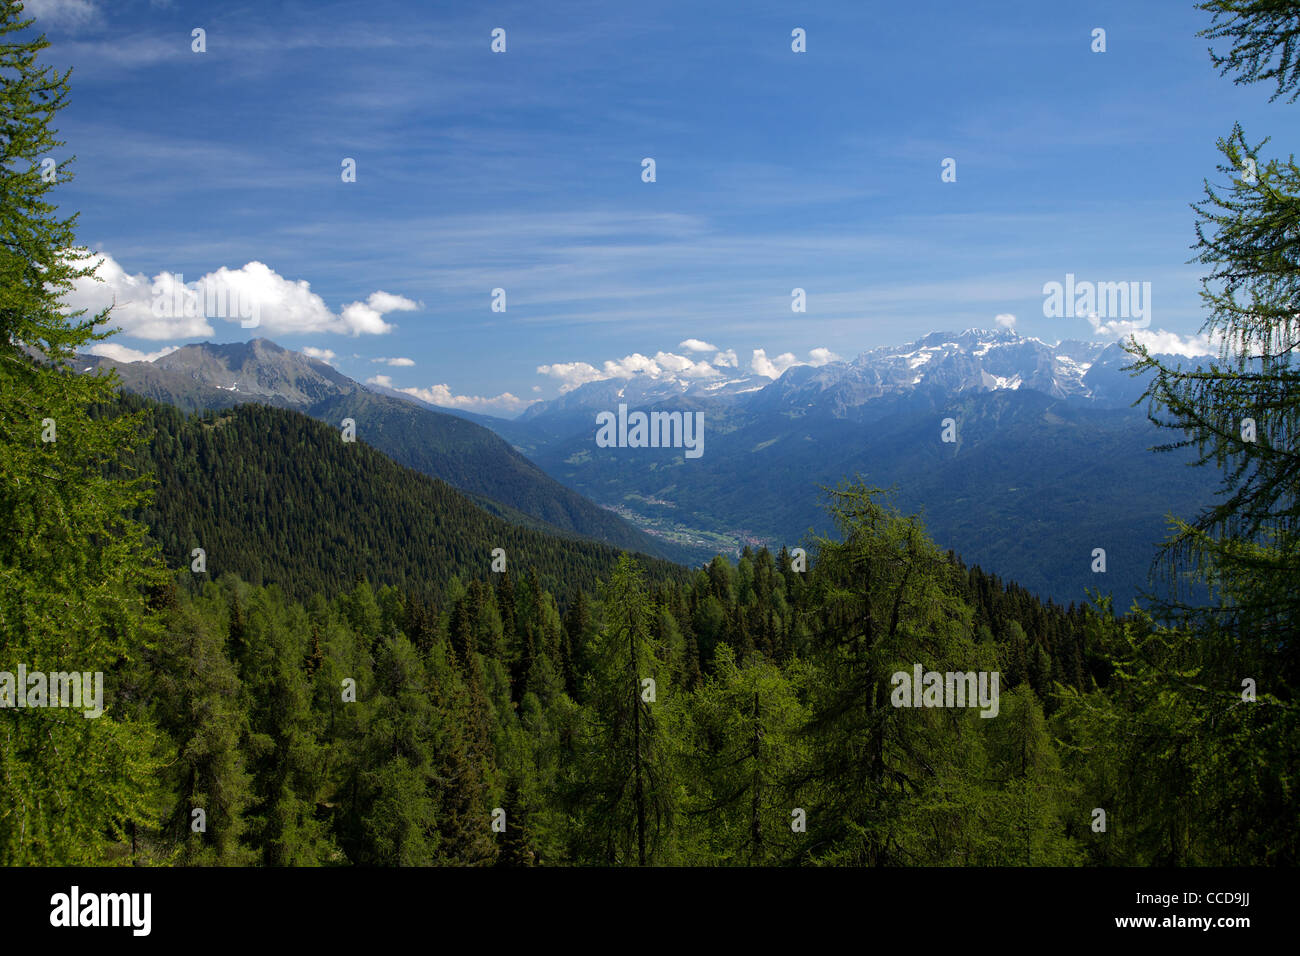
73,567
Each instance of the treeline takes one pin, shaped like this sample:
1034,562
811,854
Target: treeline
375,727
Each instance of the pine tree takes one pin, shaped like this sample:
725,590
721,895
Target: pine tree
517,842
1241,413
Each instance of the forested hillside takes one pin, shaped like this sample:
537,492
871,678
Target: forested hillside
272,495
461,452
375,727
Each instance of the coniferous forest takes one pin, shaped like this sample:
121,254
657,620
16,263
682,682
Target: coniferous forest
313,656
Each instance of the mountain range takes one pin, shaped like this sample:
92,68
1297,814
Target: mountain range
1047,459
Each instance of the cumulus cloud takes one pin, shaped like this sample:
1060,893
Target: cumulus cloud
1114,328
774,368
673,367
120,353
397,362
132,299
1005,321
325,355
630,365
695,345
1161,342
572,374
367,318
727,359
442,396
683,367
1158,341
169,307
662,365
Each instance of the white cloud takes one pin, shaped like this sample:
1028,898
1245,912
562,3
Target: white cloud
368,317
630,365
397,362
325,355
727,359
695,345
66,13
572,374
667,365
132,299
1158,341
1005,321
772,368
775,368
120,353
683,367
1171,343
169,307
1114,328
442,396
673,367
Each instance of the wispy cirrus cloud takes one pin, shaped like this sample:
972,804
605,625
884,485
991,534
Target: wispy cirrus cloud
63,13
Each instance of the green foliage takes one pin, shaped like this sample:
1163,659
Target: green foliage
273,496
1266,41
622,782
1194,738
741,745
74,569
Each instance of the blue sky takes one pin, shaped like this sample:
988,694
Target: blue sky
522,170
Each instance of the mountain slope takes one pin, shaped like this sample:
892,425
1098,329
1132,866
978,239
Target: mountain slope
465,454
274,496
473,459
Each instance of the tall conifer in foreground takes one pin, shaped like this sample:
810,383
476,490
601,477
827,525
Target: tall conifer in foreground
1220,690
72,566
624,787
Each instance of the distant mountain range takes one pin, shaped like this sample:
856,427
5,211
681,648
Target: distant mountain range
975,360
464,454
1049,461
